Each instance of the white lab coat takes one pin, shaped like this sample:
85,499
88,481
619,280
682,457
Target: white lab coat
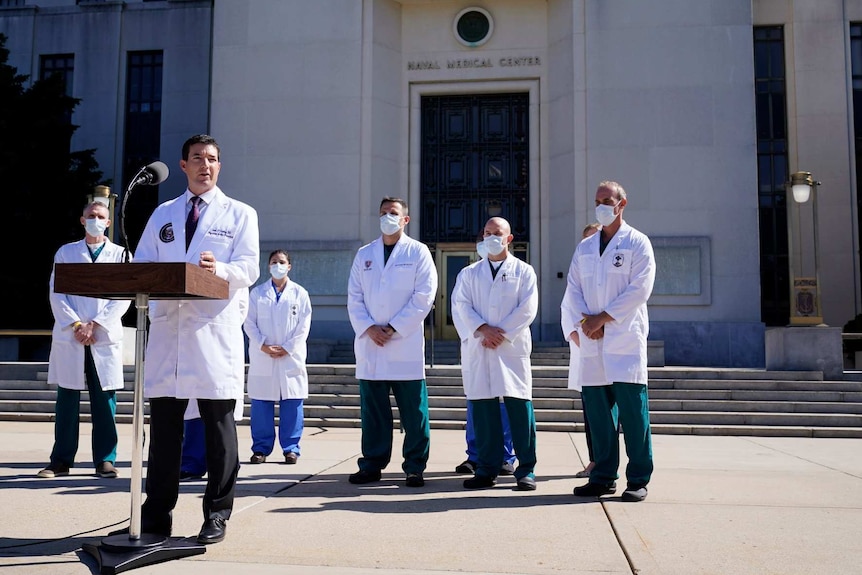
66,360
618,282
568,325
399,294
192,409
195,348
285,322
510,301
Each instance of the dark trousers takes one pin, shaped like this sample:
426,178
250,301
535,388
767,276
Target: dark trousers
488,425
103,407
411,397
163,466
606,406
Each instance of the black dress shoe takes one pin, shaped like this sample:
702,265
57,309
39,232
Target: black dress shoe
595,490
480,482
362,476
213,531
467,467
415,480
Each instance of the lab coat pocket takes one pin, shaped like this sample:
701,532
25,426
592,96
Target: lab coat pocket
587,264
220,247
259,362
291,365
589,347
621,262
264,307
624,339
403,277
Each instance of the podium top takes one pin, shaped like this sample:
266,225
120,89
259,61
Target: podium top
170,280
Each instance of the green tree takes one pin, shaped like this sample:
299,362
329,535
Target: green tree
45,184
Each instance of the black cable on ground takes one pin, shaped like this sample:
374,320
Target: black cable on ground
43,541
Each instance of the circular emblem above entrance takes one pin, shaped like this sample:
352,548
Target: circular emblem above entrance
473,26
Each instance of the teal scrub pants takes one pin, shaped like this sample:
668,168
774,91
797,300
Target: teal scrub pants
376,412
103,407
605,406
488,427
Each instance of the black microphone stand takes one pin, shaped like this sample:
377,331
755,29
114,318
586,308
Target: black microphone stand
134,182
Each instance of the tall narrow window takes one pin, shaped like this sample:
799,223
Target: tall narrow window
772,172
143,124
63,67
856,67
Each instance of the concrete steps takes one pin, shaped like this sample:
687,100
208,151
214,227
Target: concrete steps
689,401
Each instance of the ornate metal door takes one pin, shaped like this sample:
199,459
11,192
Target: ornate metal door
474,165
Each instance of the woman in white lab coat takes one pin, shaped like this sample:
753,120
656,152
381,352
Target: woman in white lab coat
279,318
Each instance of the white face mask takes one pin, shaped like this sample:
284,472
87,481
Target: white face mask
95,227
390,224
481,250
278,271
494,245
605,214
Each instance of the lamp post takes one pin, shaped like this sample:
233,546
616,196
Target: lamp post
804,252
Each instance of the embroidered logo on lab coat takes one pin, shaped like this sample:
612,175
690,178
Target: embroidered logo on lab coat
368,264
619,260
166,234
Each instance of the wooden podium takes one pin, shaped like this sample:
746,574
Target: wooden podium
141,282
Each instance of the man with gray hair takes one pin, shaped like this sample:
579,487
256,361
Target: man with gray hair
86,353
610,280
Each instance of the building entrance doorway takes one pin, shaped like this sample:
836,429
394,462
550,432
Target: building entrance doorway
474,164
450,260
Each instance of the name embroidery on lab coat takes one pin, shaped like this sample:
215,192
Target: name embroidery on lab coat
166,234
220,233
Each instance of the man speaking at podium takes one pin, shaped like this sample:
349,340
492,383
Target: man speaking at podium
195,348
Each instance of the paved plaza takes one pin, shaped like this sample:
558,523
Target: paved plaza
717,505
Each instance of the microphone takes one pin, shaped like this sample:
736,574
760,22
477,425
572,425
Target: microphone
150,175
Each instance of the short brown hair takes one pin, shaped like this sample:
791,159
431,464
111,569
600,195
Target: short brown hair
388,200
204,139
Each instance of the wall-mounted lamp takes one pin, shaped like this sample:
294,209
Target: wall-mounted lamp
801,184
804,251
103,195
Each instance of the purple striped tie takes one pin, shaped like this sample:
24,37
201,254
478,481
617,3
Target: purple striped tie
192,220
